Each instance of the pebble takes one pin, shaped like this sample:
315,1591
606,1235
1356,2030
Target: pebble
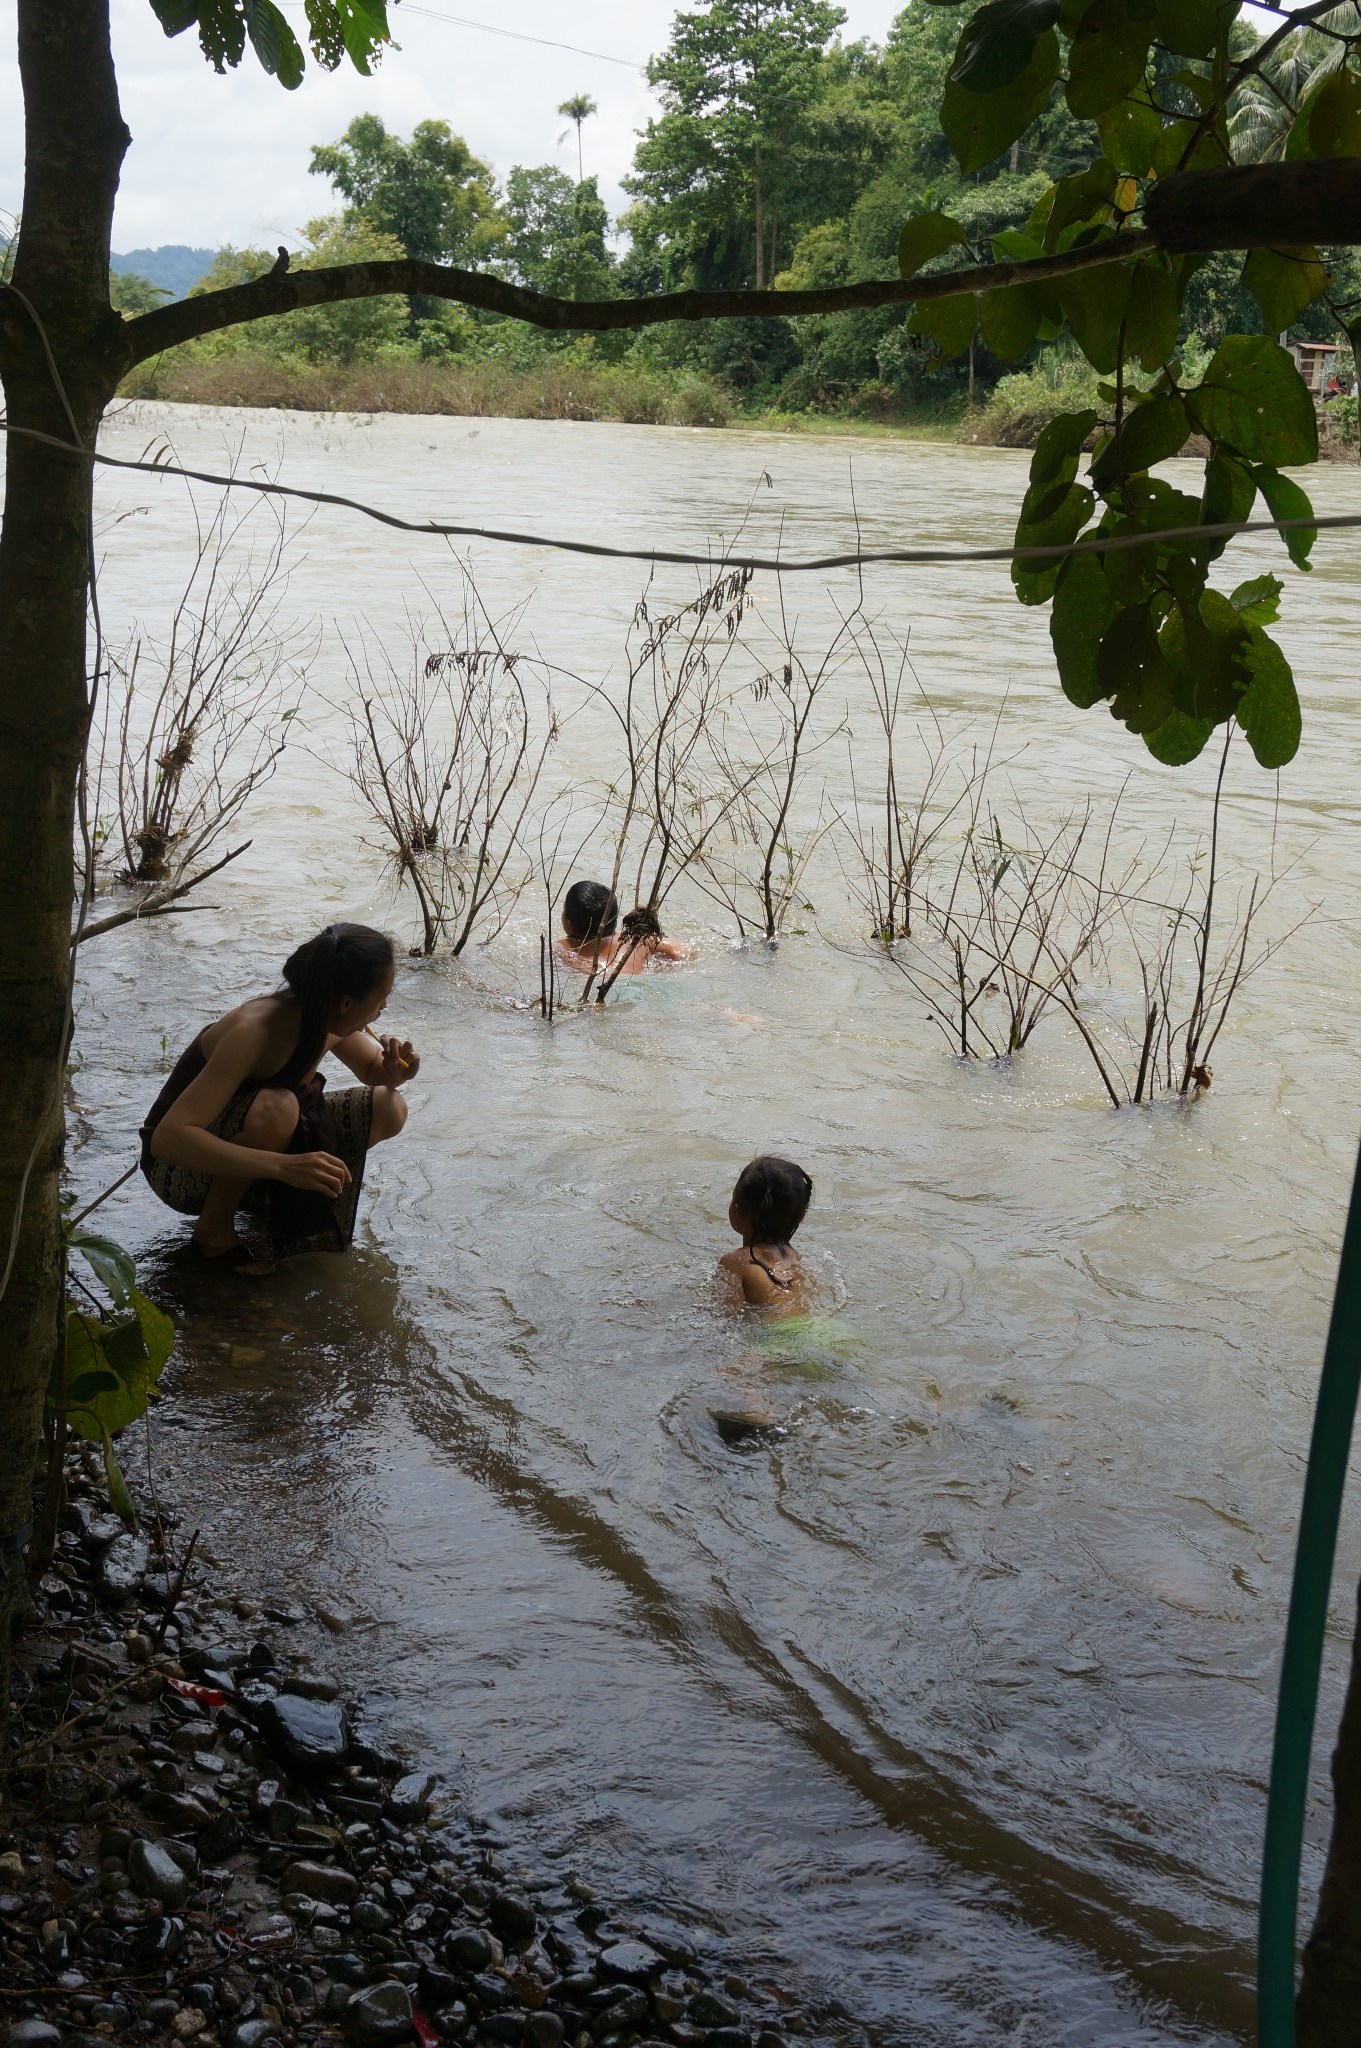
378,2015
155,1874
410,1796
32,2033
633,1960
321,1881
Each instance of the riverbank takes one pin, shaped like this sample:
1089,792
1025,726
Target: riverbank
563,388
199,1844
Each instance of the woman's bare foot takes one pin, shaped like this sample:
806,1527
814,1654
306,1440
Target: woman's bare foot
232,1255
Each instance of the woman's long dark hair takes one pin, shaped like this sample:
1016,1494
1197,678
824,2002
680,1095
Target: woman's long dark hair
344,960
773,1194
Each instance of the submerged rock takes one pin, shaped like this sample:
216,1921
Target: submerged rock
632,1960
123,1567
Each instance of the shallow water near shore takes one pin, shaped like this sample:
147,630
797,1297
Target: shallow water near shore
948,1700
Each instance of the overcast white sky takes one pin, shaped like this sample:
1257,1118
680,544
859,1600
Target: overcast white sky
218,160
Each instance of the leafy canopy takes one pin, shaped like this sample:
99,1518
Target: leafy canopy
1168,86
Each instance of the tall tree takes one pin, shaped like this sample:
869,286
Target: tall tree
556,234
578,110
431,193
734,84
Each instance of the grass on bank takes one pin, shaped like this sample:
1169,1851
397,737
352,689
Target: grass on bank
562,387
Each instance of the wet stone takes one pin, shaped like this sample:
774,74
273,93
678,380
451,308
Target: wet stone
379,2015
123,1567
512,1917
252,2034
410,1796
727,2037
32,2033
321,1881
712,2009
626,2014
543,2030
311,1737
469,1949
632,1960
155,1874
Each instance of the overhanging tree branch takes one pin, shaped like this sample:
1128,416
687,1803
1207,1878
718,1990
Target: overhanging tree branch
1249,206
268,296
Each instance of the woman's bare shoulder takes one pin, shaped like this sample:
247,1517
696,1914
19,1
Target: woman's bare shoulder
254,1030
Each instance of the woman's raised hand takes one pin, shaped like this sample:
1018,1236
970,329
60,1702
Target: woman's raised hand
315,1172
401,1061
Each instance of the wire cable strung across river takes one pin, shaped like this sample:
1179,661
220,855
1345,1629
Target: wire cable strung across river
1103,544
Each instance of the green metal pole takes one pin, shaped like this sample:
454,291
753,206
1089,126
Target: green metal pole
1324,1481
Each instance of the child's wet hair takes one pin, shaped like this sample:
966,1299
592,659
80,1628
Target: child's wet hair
590,910
772,1195
344,960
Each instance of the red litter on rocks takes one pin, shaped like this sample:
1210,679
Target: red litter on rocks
425,2032
202,1695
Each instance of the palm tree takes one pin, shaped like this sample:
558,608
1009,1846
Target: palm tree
1265,106
578,109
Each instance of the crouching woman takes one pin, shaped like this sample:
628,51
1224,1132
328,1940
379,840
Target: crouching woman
244,1121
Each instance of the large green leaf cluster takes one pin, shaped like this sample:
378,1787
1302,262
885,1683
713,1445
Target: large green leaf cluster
1117,549
336,29
115,1349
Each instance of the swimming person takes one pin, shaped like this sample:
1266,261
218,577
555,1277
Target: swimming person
593,938
768,1204
243,1122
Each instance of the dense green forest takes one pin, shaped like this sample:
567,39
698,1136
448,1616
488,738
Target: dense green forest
780,155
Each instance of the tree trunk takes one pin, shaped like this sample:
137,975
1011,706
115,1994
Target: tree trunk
1330,1989
75,140
760,218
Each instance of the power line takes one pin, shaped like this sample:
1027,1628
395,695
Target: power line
488,28
1097,544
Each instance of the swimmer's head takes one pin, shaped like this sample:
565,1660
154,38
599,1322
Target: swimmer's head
770,1200
590,911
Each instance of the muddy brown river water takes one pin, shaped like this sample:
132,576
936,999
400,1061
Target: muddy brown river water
951,1700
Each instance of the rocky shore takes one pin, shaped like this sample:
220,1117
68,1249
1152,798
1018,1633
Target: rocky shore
197,1845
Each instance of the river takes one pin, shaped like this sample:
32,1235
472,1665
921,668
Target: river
950,1701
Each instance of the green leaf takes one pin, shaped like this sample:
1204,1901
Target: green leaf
131,1349
1207,147
1269,708
1013,245
112,1265
120,1499
1229,495
999,41
926,235
1286,500
1284,282
1087,195
1150,433
1083,609
274,42
1095,303
1203,640
1058,445
979,126
1259,599
1061,523
175,16
1192,27
1328,122
87,1384
364,25
1129,131
1178,739
1108,54
1253,398
1010,320
950,323
1153,315
1132,670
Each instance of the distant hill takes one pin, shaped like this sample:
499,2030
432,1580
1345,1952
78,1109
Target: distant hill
174,266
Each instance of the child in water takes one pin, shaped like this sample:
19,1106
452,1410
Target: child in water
593,939
768,1204
244,1123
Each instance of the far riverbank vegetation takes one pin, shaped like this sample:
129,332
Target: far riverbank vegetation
860,149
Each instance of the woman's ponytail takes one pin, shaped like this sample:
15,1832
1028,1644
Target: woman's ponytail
344,960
